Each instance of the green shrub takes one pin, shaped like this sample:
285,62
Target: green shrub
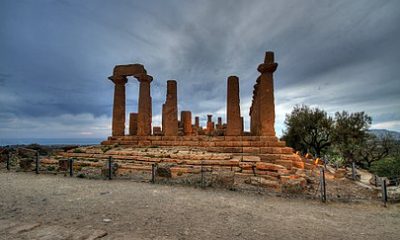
388,167
81,175
51,168
106,148
78,150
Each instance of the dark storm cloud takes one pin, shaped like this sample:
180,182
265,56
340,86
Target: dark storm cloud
56,57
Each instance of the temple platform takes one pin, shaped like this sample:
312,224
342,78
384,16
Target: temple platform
225,144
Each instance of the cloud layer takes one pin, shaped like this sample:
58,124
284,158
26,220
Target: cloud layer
56,57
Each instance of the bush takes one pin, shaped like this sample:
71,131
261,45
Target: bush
78,150
388,167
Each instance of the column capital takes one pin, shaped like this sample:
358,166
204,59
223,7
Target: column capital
118,79
144,78
267,67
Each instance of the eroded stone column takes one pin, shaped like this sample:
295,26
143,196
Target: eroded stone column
133,118
170,110
210,125
254,111
266,95
233,118
186,119
197,122
144,109
219,123
118,120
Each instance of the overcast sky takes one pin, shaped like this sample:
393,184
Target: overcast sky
55,57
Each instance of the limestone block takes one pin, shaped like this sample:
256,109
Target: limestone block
287,164
268,166
247,158
260,181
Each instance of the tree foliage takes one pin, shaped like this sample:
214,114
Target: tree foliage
308,129
375,149
344,138
350,133
388,167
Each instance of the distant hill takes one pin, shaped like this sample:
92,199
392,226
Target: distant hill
380,133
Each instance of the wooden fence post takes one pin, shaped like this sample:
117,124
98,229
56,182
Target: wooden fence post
323,184
37,162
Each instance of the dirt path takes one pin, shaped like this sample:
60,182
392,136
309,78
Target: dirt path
56,207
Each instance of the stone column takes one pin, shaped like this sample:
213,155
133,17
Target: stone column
186,119
197,122
254,111
242,121
144,109
266,95
118,120
219,123
210,125
233,118
133,118
170,110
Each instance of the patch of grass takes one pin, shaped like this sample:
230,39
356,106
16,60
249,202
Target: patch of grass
78,150
292,189
81,175
106,148
51,168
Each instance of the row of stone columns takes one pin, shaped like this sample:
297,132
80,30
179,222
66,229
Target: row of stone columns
262,110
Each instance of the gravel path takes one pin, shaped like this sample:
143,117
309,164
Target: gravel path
57,207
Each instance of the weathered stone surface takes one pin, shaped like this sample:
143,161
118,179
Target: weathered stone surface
118,120
246,158
145,108
164,170
268,166
157,131
187,122
262,111
170,110
234,120
133,124
261,181
210,125
286,163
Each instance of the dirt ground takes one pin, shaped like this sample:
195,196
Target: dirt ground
56,207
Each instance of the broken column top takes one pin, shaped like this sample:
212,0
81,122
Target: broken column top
171,87
269,66
269,57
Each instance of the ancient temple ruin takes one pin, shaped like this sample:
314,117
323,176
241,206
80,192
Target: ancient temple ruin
216,137
185,148
262,111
